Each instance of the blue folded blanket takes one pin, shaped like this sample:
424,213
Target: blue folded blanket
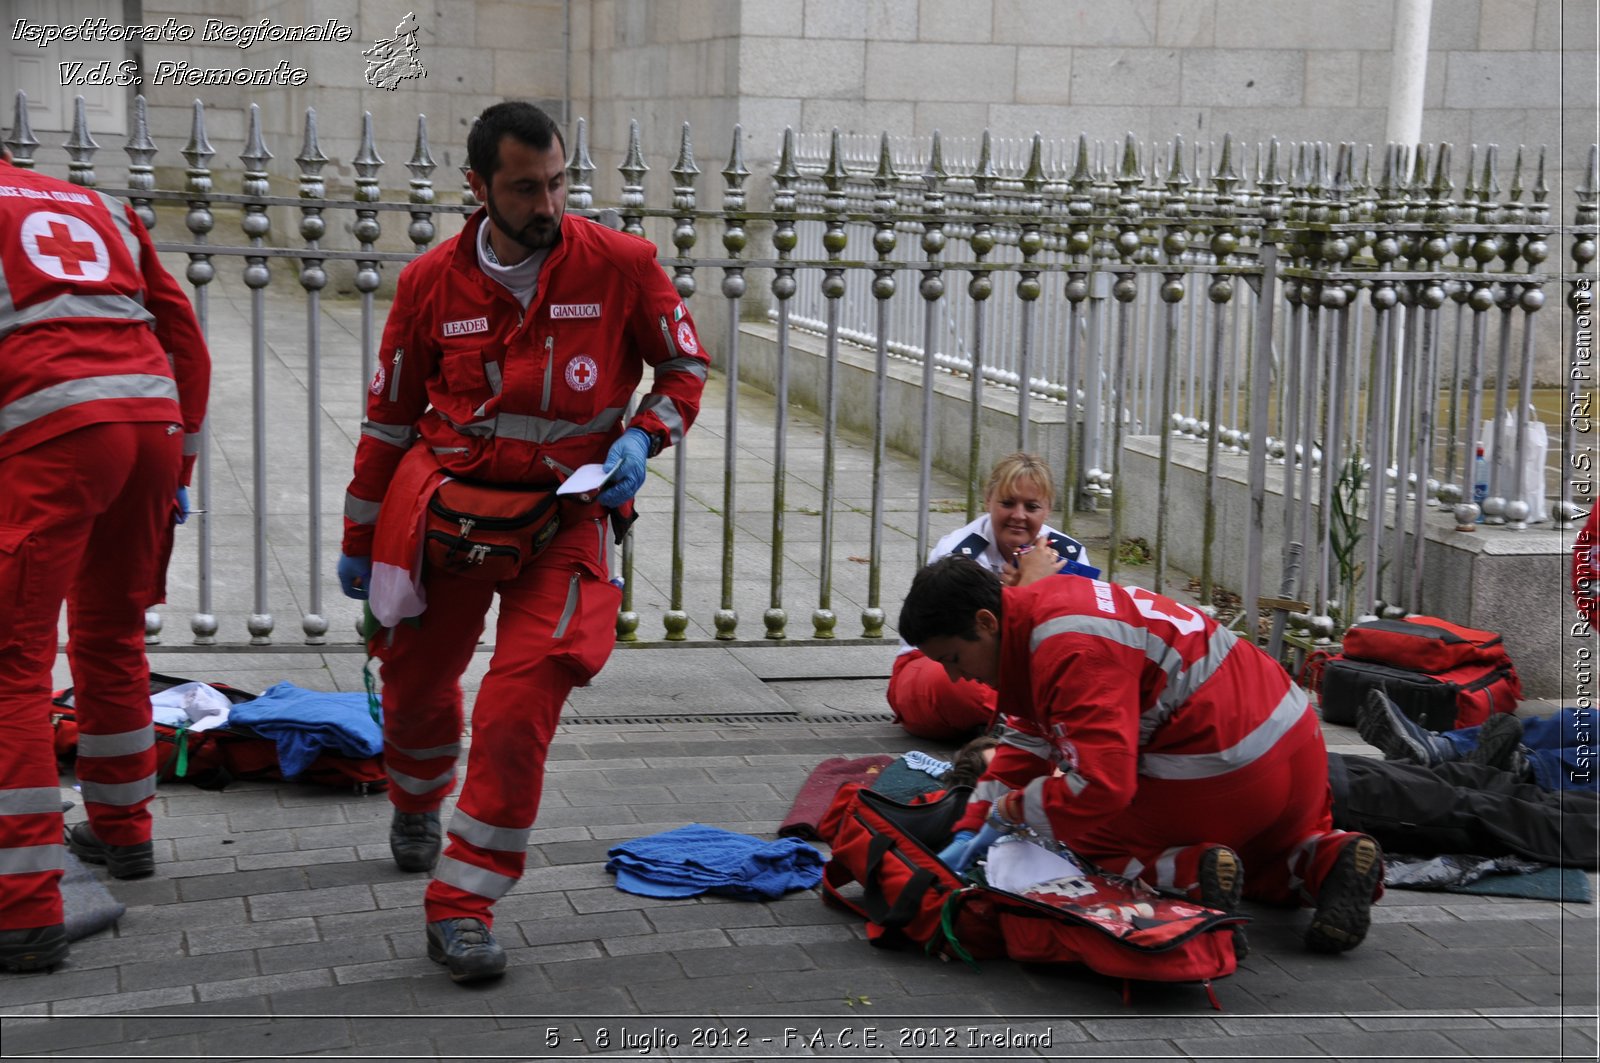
308,723
697,859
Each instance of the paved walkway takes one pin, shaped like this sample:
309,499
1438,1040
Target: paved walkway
277,926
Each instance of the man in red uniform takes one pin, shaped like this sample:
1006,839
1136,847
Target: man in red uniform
1150,741
509,357
103,383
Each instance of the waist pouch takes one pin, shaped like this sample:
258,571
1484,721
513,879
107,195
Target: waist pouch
488,531
884,868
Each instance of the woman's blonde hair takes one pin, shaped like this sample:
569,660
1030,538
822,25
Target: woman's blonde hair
1021,466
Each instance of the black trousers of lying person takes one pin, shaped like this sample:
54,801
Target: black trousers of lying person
1460,807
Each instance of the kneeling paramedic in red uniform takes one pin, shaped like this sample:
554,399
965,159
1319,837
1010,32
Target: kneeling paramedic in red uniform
1150,741
103,384
509,358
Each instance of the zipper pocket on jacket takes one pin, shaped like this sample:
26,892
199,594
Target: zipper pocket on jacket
394,373
557,466
666,336
549,371
570,608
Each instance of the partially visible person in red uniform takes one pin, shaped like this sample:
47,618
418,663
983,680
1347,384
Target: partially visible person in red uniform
1017,501
1150,741
509,357
103,383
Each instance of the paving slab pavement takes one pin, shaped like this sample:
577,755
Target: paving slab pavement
277,926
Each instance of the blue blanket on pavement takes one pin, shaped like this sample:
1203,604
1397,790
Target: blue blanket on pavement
308,723
698,859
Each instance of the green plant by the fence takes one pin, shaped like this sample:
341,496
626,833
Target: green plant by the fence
1345,534
1133,552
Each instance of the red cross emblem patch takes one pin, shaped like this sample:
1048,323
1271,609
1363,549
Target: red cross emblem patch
65,247
582,373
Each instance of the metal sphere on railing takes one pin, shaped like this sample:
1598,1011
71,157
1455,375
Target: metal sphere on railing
1435,248
1189,425
1224,244
823,622
1336,250
1029,289
1031,242
1202,429
883,241
1334,297
1517,512
982,242
1092,477
1432,296
1449,494
204,626
1583,251
1172,291
980,287
883,286
676,623
726,621
931,287
833,286
1494,509
1466,514
1431,487
1125,290
1291,290
260,627
1127,242
312,227
1536,251
421,231
1322,627
152,626
733,285
784,286
1177,421
315,628
1481,299
1276,448
627,625
932,241
1384,297
367,279
1386,249
200,271
255,225
1486,248
1532,299
1394,612
1244,440
872,621
1565,512
775,620
256,275
1299,621
1077,289
313,278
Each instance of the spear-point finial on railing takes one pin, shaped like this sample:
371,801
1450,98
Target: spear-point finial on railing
81,146
934,174
1387,181
1516,178
1442,186
580,170
140,148
835,173
1590,188
1177,175
1489,188
198,151
1419,168
735,173
255,156
1344,163
984,174
885,175
21,141
367,163
311,160
1225,178
1130,174
1033,176
1082,175
1541,187
787,172
633,166
1469,187
421,164
685,169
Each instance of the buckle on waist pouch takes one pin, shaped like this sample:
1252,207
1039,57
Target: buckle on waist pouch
488,531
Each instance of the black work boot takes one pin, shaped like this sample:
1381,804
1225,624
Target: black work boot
414,840
1499,740
1344,903
467,948
123,861
1221,886
35,948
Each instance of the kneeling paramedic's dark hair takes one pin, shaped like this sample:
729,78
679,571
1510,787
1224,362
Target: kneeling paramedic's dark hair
514,118
945,598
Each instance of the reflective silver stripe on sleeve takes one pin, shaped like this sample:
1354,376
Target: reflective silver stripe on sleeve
396,435
990,790
1028,743
473,879
1246,751
114,307
1033,809
119,217
693,366
486,836
123,744
547,429
48,400
31,859
1167,866
191,443
1185,682
413,785
120,794
476,428
569,609
360,510
667,410
30,800
491,370
452,750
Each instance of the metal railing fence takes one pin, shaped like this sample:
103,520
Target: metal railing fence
1351,328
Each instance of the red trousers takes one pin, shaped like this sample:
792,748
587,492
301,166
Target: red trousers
556,629
929,704
85,518
1276,813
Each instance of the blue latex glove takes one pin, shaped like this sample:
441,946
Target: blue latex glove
952,854
183,506
355,575
627,455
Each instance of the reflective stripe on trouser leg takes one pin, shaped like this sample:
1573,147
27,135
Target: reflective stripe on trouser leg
1311,860
122,571
421,675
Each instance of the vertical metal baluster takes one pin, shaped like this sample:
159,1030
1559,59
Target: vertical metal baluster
313,278
1385,249
256,225
1336,299
1580,301
1456,289
199,221
1269,185
1174,243
1290,387
684,172
1481,249
1125,290
1224,242
930,288
421,231
733,289
1494,506
632,168
784,287
834,241
1030,242
883,289
1311,296
1534,252
1080,245
367,231
979,288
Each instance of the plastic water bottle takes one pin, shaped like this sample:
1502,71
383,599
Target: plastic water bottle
1480,481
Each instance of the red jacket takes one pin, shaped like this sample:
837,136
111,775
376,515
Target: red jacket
92,328
511,396
1111,683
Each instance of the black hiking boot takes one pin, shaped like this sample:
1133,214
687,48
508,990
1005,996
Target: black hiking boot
1344,904
35,948
1499,740
467,948
123,861
414,840
1221,886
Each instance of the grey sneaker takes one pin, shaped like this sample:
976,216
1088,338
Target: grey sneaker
414,840
123,861
1344,904
35,948
467,948
1397,736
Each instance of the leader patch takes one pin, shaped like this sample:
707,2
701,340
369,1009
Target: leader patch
467,327
582,373
686,341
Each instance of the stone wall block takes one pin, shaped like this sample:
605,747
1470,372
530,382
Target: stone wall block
1079,23
974,73
1241,78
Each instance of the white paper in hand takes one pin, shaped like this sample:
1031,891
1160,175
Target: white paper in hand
587,479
